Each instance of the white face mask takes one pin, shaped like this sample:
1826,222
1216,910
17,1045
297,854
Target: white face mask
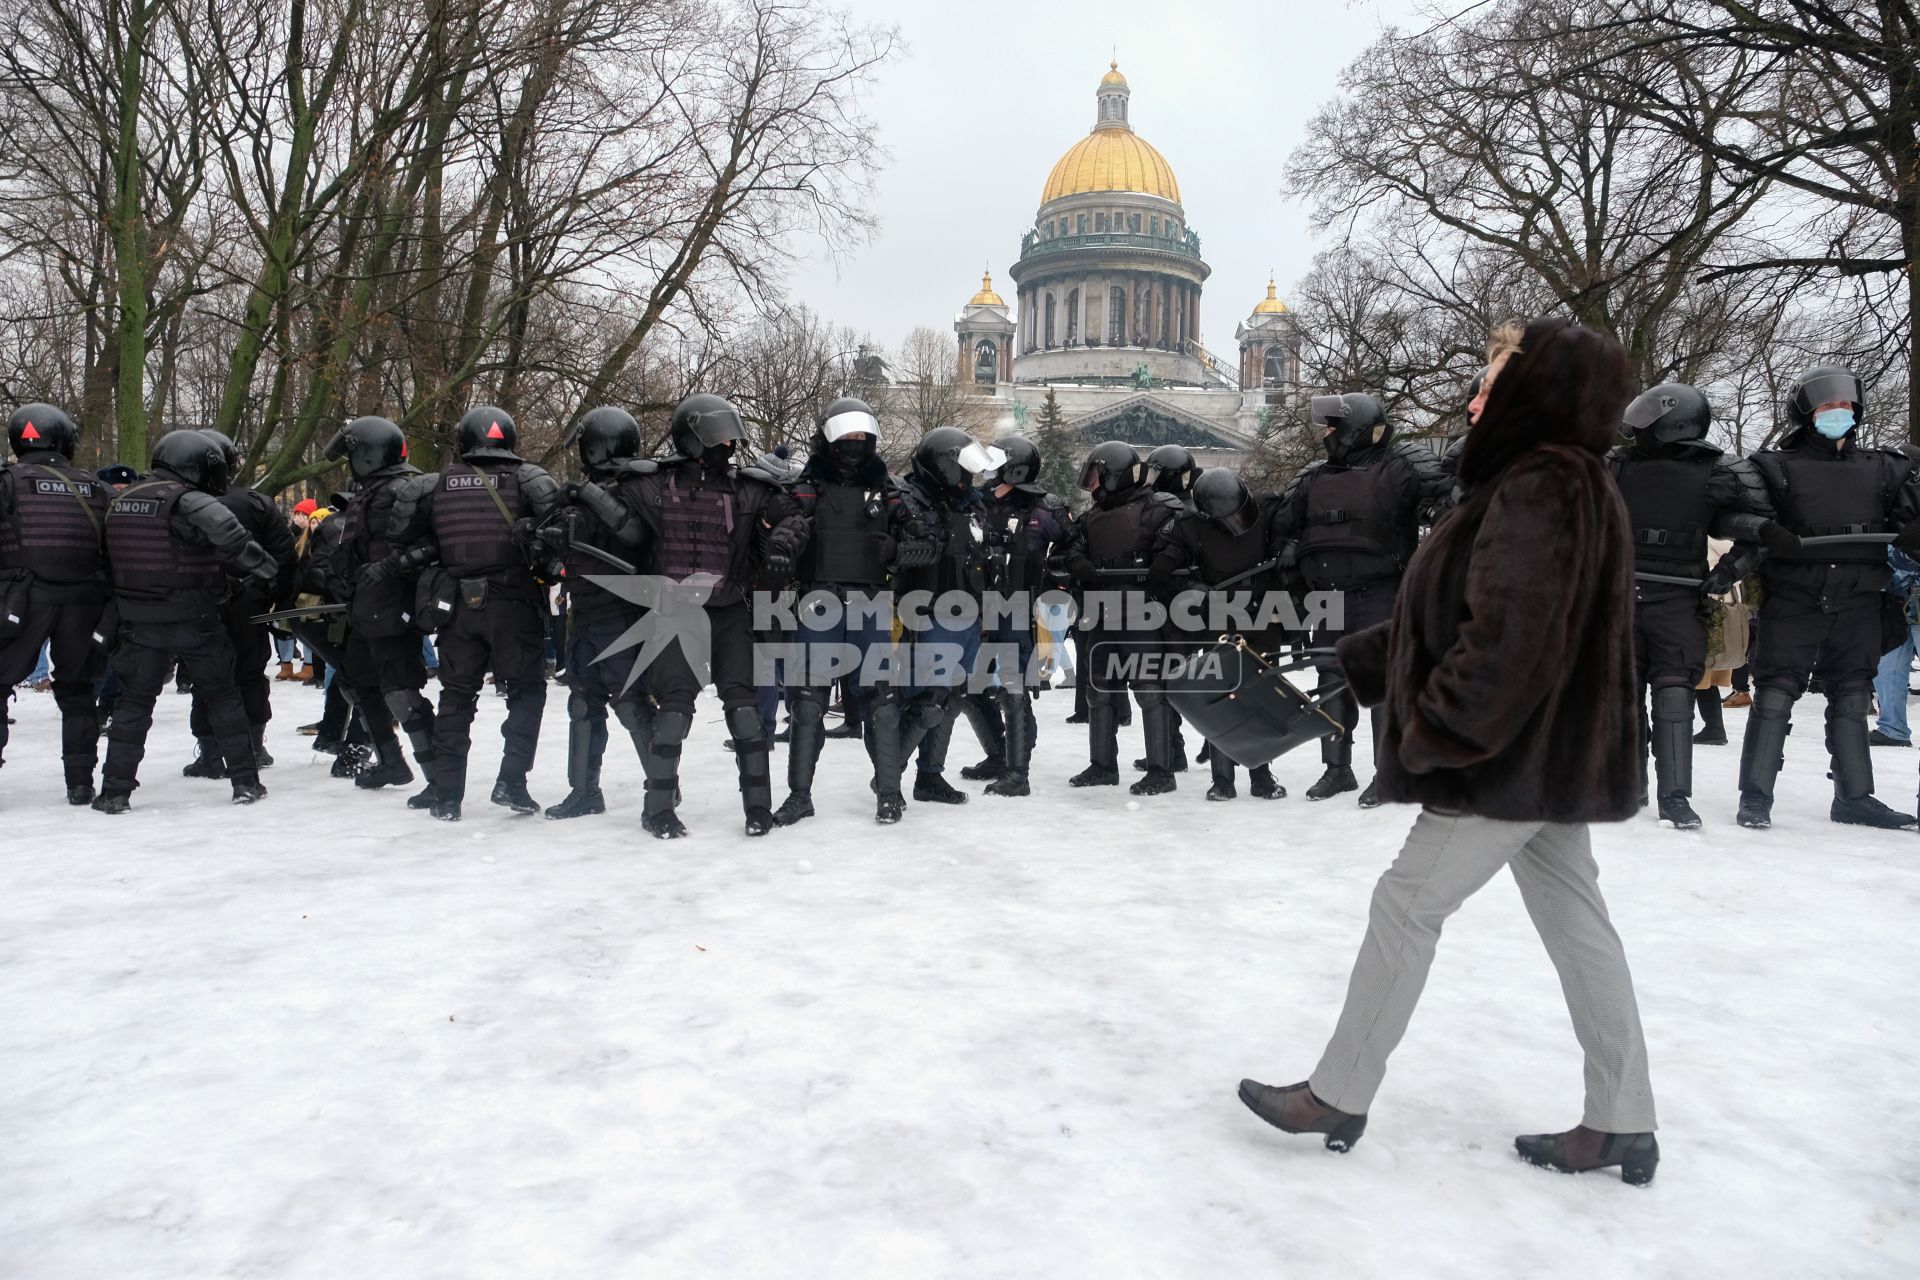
1833,423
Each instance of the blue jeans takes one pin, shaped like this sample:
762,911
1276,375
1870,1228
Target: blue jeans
44,669
1890,687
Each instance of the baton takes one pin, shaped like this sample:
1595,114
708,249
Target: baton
606,557
307,611
1262,567
1844,539
1678,582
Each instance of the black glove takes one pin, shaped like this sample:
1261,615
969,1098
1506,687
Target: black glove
378,572
265,575
1722,578
1082,571
1160,575
1289,557
776,571
887,548
1778,539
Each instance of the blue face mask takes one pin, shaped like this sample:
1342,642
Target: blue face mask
1833,423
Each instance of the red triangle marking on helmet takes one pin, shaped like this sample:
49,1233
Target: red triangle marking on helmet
495,433
30,433
403,451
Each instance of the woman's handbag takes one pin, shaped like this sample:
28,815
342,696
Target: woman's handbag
1245,705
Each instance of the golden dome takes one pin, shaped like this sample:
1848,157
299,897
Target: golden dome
987,297
1113,76
1111,159
1272,306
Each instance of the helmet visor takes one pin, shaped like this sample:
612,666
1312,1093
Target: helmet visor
1826,388
717,426
1328,410
982,460
338,447
1647,408
842,425
1089,475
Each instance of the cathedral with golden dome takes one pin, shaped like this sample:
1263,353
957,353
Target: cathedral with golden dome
1106,310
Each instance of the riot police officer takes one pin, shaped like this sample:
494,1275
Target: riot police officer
1678,490
860,532
714,529
1228,536
168,539
1109,553
1023,526
252,646
382,669
605,519
53,580
1354,520
941,652
1826,508
476,520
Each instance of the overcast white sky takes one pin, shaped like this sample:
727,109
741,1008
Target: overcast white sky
988,95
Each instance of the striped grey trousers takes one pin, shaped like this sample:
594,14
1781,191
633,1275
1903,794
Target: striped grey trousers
1446,859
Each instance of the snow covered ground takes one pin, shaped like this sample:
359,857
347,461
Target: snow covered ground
327,1037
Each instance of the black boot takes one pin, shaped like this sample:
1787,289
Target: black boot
1369,798
1336,752
391,771
261,759
583,767
806,728
1713,721
983,713
1763,752
1162,730
80,793
1853,800
1222,788
510,792
114,802
750,757
1016,713
934,789
1262,786
662,765
207,762
885,746
1673,755
248,789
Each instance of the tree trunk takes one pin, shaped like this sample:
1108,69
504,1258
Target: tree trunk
130,246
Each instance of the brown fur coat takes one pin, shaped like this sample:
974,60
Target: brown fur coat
1507,669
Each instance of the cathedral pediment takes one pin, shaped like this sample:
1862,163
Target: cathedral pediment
1147,421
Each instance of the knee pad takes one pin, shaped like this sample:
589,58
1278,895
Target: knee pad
581,707
634,713
526,690
1849,700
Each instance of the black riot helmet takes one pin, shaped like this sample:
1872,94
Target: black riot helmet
608,437
1357,422
1171,469
950,458
35,427
1670,413
485,427
194,457
1824,384
369,445
1114,465
702,422
229,451
1221,496
1022,466
851,432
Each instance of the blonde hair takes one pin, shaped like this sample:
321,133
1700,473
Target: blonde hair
1504,341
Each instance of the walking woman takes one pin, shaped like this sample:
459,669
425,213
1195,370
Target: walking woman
1507,676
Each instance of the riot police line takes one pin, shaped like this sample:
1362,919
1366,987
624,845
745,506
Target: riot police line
780,564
